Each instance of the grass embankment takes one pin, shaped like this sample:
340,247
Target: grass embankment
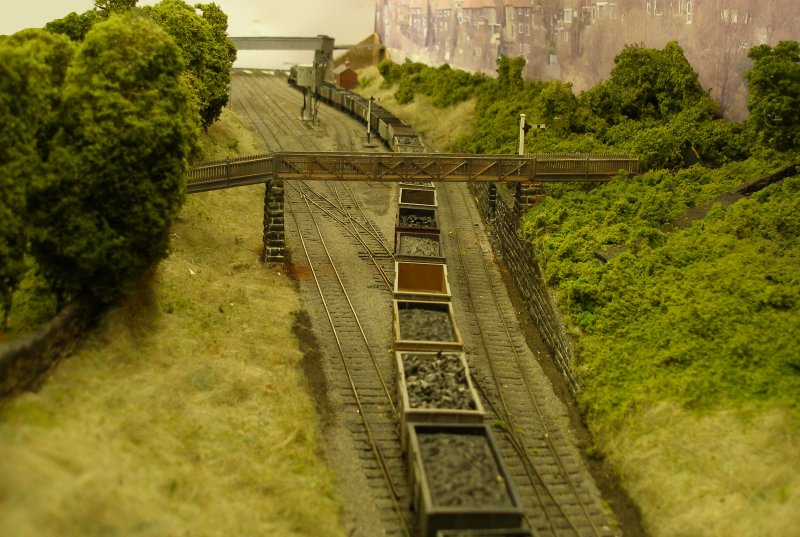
440,127
185,412
687,343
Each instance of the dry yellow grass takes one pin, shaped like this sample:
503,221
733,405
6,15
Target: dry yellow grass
227,138
718,474
185,412
439,126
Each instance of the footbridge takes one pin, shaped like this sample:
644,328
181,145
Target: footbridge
394,167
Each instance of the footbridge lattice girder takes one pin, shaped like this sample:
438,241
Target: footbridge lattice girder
393,167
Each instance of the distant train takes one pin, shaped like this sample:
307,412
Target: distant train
397,135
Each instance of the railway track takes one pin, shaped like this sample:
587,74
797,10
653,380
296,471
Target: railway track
329,228
369,386
561,499
336,233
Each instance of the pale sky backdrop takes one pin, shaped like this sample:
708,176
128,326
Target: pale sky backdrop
347,21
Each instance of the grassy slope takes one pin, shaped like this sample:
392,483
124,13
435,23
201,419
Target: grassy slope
186,411
440,127
707,375
731,470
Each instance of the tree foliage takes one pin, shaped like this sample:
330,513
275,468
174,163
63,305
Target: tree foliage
32,69
774,101
114,178
654,84
108,7
652,106
201,33
207,52
444,85
73,25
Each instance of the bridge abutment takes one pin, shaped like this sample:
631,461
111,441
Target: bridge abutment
274,238
526,195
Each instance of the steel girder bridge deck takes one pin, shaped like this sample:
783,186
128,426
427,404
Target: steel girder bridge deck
393,167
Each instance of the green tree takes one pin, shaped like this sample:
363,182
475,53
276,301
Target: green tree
603,106
556,105
32,70
115,176
774,101
509,73
207,52
107,7
654,83
73,25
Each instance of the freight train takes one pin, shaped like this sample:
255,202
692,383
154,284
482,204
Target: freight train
449,436
397,135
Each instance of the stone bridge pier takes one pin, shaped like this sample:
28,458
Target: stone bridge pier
274,238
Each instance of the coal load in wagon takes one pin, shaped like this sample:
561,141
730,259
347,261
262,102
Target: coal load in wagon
459,480
461,471
437,380
416,219
418,244
425,325
435,387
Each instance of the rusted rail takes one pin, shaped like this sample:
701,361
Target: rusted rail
391,167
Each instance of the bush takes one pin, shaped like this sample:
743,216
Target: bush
115,178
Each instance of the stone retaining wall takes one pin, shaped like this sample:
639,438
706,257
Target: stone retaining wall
501,210
274,239
25,361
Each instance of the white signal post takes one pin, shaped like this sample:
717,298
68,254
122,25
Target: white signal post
523,130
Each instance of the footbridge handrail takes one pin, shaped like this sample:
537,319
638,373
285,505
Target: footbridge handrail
392,167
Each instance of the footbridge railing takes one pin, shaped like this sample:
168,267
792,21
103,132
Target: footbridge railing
392,167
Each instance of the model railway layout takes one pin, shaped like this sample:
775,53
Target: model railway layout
450,431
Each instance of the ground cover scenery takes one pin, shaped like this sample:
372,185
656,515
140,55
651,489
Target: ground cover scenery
687,342
185,410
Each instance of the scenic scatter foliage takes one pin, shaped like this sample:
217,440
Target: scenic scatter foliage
33,65
652,106
710,317
101,114
444,85
207,51
199,30
774,101
115,179
706,316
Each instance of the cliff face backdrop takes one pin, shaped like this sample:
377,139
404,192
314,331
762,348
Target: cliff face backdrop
576,40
